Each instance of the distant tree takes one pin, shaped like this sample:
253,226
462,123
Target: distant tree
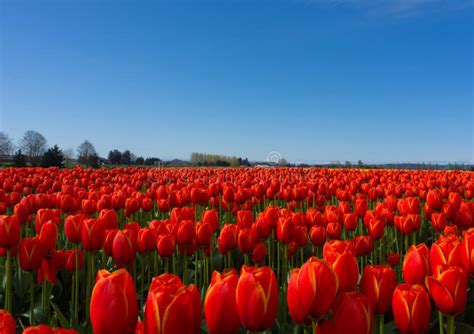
283,162
115,157
221,163
348,163
19,159
126,158
87,155
34,145
53,157
360,163
68,156
6,144
152,161
139,161
245,162
133,158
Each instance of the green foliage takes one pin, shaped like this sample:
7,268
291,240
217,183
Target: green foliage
19,159
53,158
204,159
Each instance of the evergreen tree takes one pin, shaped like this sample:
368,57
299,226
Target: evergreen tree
19,159
53,158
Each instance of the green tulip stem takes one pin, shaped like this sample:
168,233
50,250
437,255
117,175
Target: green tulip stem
8,294
440,320
32,298
76,287
450,324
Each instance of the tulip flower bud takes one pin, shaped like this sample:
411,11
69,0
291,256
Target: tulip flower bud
172,307
165,245
9,231
257,298
352,314
7,323
93,235
220,307
416,264
448,288
30,254
311,290
411,308
73,228
377,284
114,307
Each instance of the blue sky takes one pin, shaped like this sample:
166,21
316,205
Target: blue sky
315,80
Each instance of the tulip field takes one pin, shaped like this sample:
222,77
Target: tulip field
236,250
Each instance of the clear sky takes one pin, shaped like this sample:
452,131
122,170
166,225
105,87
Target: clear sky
315,80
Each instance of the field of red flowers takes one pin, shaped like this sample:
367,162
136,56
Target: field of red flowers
209,250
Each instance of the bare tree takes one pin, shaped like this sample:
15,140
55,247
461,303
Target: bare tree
87,154
33,145
68,156
6,144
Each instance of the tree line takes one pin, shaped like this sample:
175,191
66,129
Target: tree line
205,159
32,150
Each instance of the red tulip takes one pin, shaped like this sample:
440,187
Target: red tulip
438,221
7,323
220,307
352,314
311,290
378,283
448,288
360,207
285,230
124,247
244,219
334,230
71,260
416,264
21,212
227,240
211,217
9,231
467,251
48,236
434,199
259,252
165,245
185,233
204,233
393,259
341,255
108,218
45,215
172,307
114,307
257,298
244,241
73,228
93,235
318,235
445,250
363,245
350,221
146,240
30,254
376,228
411,308
40,329
271,215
